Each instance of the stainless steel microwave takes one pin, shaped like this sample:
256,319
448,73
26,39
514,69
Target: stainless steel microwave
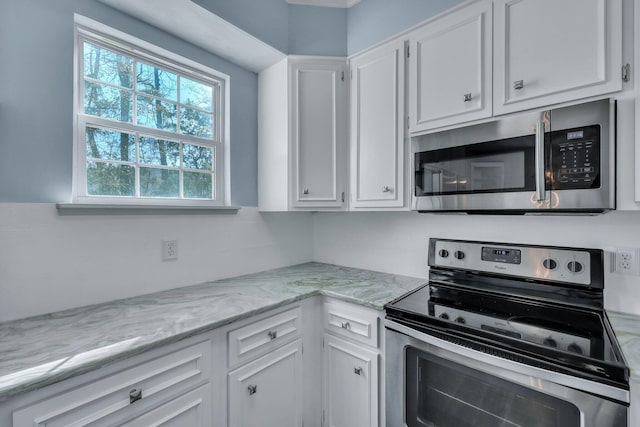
547,161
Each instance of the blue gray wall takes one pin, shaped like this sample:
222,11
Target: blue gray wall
36,76
36,99
317,31
266,20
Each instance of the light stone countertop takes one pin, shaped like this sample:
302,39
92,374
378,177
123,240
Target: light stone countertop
627,330
43,350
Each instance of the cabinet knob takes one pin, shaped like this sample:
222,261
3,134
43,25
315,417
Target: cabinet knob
253,389
357,370
273,334
345,325
467,97
305,191
518,84
386,189
135,395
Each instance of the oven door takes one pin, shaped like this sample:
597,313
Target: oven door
434,383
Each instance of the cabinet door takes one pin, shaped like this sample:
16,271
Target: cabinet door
450,69
267,391
549,51
318,132
378,128
350,397
192,409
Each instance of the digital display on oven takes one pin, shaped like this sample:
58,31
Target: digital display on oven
504,255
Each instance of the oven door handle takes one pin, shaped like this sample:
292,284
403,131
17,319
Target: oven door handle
540,168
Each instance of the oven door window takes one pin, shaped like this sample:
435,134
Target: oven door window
441,393
505,165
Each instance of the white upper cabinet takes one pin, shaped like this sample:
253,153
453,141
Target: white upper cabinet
378,128
550,51
318,101
450,68
302,110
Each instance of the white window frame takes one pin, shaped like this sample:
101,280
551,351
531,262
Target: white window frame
86,29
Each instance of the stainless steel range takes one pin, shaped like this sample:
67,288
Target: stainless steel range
505,335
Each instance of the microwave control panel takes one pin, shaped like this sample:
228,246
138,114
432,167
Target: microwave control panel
575,158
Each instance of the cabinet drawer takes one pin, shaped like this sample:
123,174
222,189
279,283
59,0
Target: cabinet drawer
347,320
264,335
113,397
192,409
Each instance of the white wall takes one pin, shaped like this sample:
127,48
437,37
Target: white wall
50,262
397,242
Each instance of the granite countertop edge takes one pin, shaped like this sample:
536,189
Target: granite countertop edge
627,330
296,283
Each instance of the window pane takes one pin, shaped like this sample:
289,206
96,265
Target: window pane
159,152
196,123
156,81
198,185
196,94
156,182
108,179
156,114
110,145
196,157
107,66
107,102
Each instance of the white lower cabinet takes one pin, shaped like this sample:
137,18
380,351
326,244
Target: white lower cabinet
353,380
164,389
350,397
192,409
246,374
267,391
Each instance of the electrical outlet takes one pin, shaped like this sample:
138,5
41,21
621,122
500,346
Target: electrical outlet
169,250
626,261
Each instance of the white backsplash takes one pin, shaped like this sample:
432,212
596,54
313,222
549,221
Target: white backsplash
396,242
50,262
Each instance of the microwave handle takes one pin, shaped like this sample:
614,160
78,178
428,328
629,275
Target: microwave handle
540,169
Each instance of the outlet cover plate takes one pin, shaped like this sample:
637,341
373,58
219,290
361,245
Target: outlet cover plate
169,250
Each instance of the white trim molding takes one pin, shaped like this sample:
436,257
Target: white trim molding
325,3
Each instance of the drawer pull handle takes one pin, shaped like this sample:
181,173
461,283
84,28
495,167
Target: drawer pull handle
273,334
135,395
305,191
518,84
357,370
345,325
253,389
467,97
386,189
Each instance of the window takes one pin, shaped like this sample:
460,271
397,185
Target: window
150,125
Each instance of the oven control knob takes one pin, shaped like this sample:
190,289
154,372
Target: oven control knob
574,348
550,264
443,253
444,316
460,320
575,266
458,255
550,342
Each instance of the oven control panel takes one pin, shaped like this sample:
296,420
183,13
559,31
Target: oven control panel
514,329
535,262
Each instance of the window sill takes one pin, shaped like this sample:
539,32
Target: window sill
132,209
